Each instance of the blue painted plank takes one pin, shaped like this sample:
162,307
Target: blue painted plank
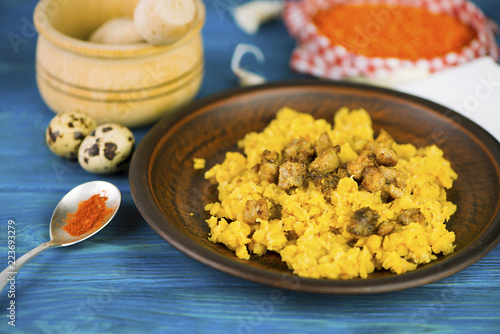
128,267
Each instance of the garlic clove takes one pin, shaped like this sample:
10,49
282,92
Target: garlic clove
246,78
120,30
162,22
251,15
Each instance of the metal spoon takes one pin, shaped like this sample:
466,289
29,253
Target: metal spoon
59,237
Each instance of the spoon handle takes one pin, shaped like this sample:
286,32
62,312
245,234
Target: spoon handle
10,272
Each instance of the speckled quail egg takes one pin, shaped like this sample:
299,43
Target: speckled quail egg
66,132
107,149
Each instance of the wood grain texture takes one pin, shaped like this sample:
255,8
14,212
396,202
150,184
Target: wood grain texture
128,280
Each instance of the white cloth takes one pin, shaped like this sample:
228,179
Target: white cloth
472,90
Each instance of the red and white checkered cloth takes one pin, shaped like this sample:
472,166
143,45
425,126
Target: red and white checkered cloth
315,55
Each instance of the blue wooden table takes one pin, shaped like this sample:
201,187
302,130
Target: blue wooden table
127,279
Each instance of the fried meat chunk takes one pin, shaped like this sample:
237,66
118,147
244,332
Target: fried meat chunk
268,168
326,182
291,174
409,216
299,149
357,167
327,162
385,228
256,210
373,179
386,156
363,222
323,143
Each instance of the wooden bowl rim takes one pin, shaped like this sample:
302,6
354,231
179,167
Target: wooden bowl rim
44,27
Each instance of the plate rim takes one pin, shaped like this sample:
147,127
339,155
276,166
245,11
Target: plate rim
145,203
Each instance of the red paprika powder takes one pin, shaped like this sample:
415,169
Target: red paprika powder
393,32
88,216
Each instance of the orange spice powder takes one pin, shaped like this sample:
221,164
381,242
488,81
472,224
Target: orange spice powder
88,216
388,31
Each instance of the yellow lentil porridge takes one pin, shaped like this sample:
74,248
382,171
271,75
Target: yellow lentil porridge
333,201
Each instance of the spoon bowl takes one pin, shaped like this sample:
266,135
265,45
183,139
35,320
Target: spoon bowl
58,236
69,203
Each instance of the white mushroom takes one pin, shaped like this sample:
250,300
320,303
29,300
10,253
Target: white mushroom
246,78
120,30
249,16
107,149
66,132
162,22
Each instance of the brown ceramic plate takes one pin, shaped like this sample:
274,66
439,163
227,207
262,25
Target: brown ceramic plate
171,195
